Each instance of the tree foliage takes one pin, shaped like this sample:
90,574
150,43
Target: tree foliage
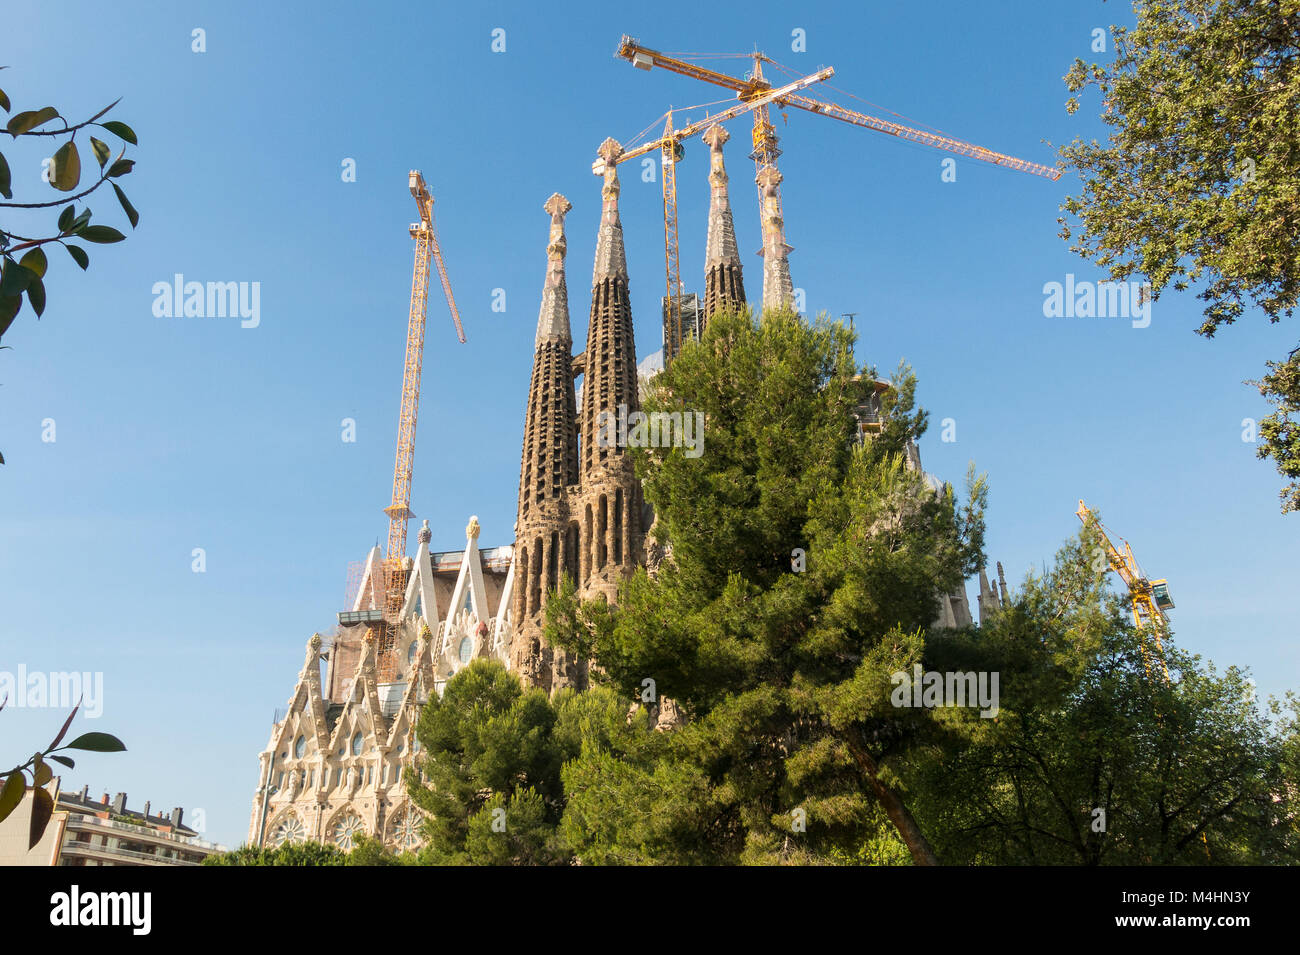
24,259
782,673
490,778
1197,182
285,854
1095,758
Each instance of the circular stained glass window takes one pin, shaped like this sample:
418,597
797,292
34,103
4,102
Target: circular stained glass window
289,830
466,650
346,831
406,831
357,742
300,746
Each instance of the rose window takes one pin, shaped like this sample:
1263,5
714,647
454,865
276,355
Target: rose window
406,831
289,830
347,829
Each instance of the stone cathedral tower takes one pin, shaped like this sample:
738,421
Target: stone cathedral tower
724,287
580,505
546,529
610,502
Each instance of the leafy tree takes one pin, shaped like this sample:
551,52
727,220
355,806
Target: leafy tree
490,778
490,760
1095,758
288,853
783,674
1197,182
370,851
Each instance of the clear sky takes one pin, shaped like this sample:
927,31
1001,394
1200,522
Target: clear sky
181,433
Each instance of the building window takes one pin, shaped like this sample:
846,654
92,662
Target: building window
346,831
300,746
466,650
357,743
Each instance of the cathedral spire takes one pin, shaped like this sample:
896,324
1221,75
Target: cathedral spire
778,290
609,508
553,319
611,259
723,284
545,538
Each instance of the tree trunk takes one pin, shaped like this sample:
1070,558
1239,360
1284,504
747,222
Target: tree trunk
895,809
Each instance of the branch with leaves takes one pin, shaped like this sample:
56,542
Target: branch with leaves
38,768
25,275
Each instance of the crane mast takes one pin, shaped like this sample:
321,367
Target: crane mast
1148,599
399,511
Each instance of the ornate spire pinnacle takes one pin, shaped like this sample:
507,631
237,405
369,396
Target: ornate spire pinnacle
778,290
723,282
721,245
553,319
610,256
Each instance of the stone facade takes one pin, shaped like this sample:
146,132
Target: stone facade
334,767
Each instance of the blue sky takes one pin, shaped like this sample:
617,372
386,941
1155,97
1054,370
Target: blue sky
179,433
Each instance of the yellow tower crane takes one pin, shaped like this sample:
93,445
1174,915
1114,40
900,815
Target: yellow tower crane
399,512
1149,599
755,89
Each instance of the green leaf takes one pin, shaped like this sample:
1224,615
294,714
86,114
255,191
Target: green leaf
41,773
121,130
126,205
97,743
5,178
36,261
65,171
120,168
15,278
4,101
42,810
66,217
36,295
12,794
79,256
101,234
80,221
65,760
101,150
9,306
30,119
